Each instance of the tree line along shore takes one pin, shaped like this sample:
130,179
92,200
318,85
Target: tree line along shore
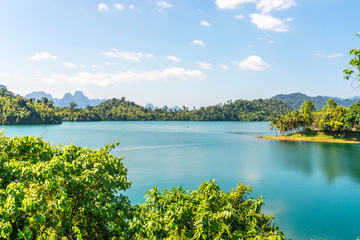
332,123
16,110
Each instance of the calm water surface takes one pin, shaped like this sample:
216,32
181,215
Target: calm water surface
313,189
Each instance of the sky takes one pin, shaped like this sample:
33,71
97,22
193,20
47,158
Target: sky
178,52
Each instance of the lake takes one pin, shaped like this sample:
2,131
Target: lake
312,189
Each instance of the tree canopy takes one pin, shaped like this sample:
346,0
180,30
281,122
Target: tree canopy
331,118
17,110
354,73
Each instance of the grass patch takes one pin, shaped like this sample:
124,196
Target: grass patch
317,136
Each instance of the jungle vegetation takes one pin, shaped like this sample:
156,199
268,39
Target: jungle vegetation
122,110
16,110
69,192
331,118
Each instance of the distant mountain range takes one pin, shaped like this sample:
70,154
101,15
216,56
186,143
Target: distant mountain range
79,98
296,99
152,107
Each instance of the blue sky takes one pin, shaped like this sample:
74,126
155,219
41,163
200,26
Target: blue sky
178,52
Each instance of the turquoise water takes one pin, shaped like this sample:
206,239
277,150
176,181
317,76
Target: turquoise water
313,189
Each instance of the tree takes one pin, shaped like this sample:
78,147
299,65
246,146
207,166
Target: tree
72,106
206,213
351,74
307,107
352,117
50,192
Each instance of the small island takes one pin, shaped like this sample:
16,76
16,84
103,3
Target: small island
333,124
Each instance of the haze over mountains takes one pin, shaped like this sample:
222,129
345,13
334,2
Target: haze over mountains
294,100
79,98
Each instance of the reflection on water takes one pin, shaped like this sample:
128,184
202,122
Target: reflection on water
330,159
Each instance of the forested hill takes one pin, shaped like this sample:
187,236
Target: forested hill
122,110
296,99
20,111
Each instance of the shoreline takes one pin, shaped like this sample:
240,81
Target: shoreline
300,139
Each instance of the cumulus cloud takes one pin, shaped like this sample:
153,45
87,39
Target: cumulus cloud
131,56
205,23
82,78
118,6
332,55
239,16
103,7
266,6
156,75
43,55
254,63
231,4
205,65
267,22
69,64
198,42
163,4
103,79
173,58
223,66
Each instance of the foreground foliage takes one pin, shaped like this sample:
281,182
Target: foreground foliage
207,213
48,192
53,192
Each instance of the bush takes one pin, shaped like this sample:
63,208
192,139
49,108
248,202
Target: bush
207,213
49,192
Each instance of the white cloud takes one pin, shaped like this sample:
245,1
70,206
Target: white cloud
239,16
132,56
223,66
254,63
95,66
271,41
82,78
156,75
173,58
8,75
231,4
163,4
118,6
69,64
333,55
131,7
108,63
267,22
205,23
205,65
198,42
43,55
103,79
266,6
103,7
